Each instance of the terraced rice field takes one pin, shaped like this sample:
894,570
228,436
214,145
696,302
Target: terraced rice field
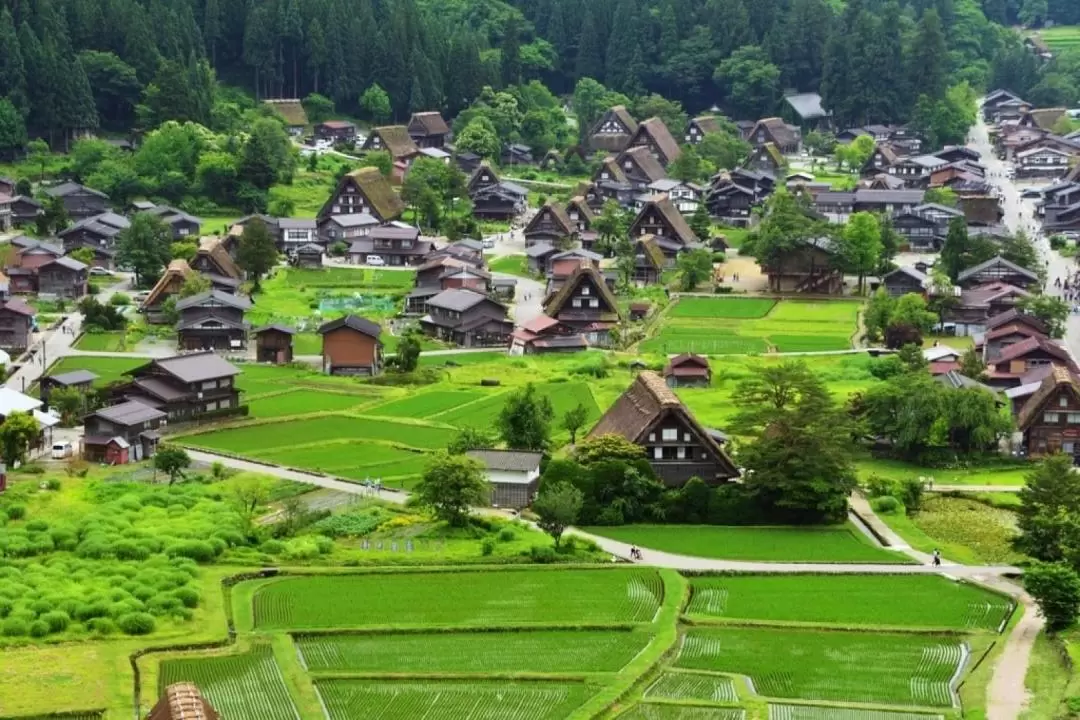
831,666
563,397
300,402
412,699
550,651
720,326
459,598
841,543
1061,37
423,405
357,460
247,686
871,600
255,438
811,712
693,686
645,711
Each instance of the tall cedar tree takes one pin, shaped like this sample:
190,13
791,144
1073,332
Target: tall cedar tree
257,251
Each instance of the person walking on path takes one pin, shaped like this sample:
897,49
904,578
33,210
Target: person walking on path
937,558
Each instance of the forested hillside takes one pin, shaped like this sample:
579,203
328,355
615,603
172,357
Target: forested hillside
71,65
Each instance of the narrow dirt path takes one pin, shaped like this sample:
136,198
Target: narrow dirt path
1007,694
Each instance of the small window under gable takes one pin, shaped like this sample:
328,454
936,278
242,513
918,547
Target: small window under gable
669,434
1063,401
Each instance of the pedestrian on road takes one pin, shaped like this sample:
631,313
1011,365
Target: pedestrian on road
936,558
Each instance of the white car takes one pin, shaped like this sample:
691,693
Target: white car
375,260
488,243
98,270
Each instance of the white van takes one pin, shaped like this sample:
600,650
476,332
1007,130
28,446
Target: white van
61,450
375,260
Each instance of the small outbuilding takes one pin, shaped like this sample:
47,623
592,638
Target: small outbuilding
183,701
274,344
82,380
687,370
513,474
351,346
309,256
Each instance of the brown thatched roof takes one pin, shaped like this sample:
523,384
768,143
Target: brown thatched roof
615,172
644,159
1059,379
651,250
178,270
707,123
377,189
396,139
675,220
213,247
290,109
183,701
781,133
646,402
557,213
431,122
584,211
584,273
655,129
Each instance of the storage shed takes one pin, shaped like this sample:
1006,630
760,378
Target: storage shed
513,474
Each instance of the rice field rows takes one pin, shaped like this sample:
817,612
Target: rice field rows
458,598
646,711
551,651
255,438
247,686
831,666
813,712
720,326
893,600
408,700
693,686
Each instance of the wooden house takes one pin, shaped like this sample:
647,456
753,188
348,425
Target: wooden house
212,320
80,201
992,343
396,246
1050,419
428,130
543,334
63,277
1045,162
585,304
883,158
274,343
612,132
292,111
80,380
676,445
513,476
654,135
904,280
659,217
809,268
98,233
1016,361
516,154
997,269
185,386
182,225
16,324
24,210
351,346
126,432
550,225
309,256
393,139
731,203
579,213
786,138
699,127
168,285
466,318
640,167
336,131
213,260
538,256
685,196
493,198
921,232
30,254
767,158
295,233
183,701
649,260
688,370
345,228
995,100
978,304
806,109
364,191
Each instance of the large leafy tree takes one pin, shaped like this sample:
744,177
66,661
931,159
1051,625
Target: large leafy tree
525,420
558,506
257,251
1049,513
751,82
450,485
144,247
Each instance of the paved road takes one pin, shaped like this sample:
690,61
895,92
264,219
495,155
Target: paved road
976,488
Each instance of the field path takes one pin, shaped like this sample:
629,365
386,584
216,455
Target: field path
1007,694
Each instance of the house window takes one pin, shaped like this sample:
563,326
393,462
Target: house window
1067,448
652,437
594,303
576,302
669,434
1050,417
658,453
209,385
585,290
686,437
680,453
1073,418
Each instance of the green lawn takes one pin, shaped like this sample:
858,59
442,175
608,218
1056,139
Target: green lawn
108,369
995,474
721,326
466,599
832,666
511,264
835,544
870,600
463,358
550,651
423,405
103,342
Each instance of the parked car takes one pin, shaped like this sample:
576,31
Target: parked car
61,450
98,270
1032,193
488,243
375,260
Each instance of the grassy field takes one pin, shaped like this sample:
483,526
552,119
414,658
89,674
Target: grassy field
541,651
964,530
108,369
997,474
832,666
258,438
346,699
840,544
871,600
511,264
244,686
720,326
104,342
460,599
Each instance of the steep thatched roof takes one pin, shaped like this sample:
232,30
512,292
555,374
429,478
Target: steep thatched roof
582,274
290,109
1059,379
376,189
178,271
396,139
183,701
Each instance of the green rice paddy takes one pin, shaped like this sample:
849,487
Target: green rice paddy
645,711
778,711
720,326
245,686
835,544
693,686
831,666
320,429
541,651
465,599
871,600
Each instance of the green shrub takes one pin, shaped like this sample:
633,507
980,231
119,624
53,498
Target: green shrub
15,511
542,555
878,486
303,548
273,547
886,504
325,545
139,623
187,596
120,299
15,627
487,546
130,550
37,526
719,257
55,484
102,626
507,535
198,550
57,620
39,629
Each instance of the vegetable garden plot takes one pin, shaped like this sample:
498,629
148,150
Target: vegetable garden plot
693,686
459,598
248,686
916,601
645,711
526,651
449,700
832,666
811,712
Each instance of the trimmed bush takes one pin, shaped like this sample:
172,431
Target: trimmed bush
102,626
15,627
198,550
39,629
15,511
57,621
188,598
138,623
